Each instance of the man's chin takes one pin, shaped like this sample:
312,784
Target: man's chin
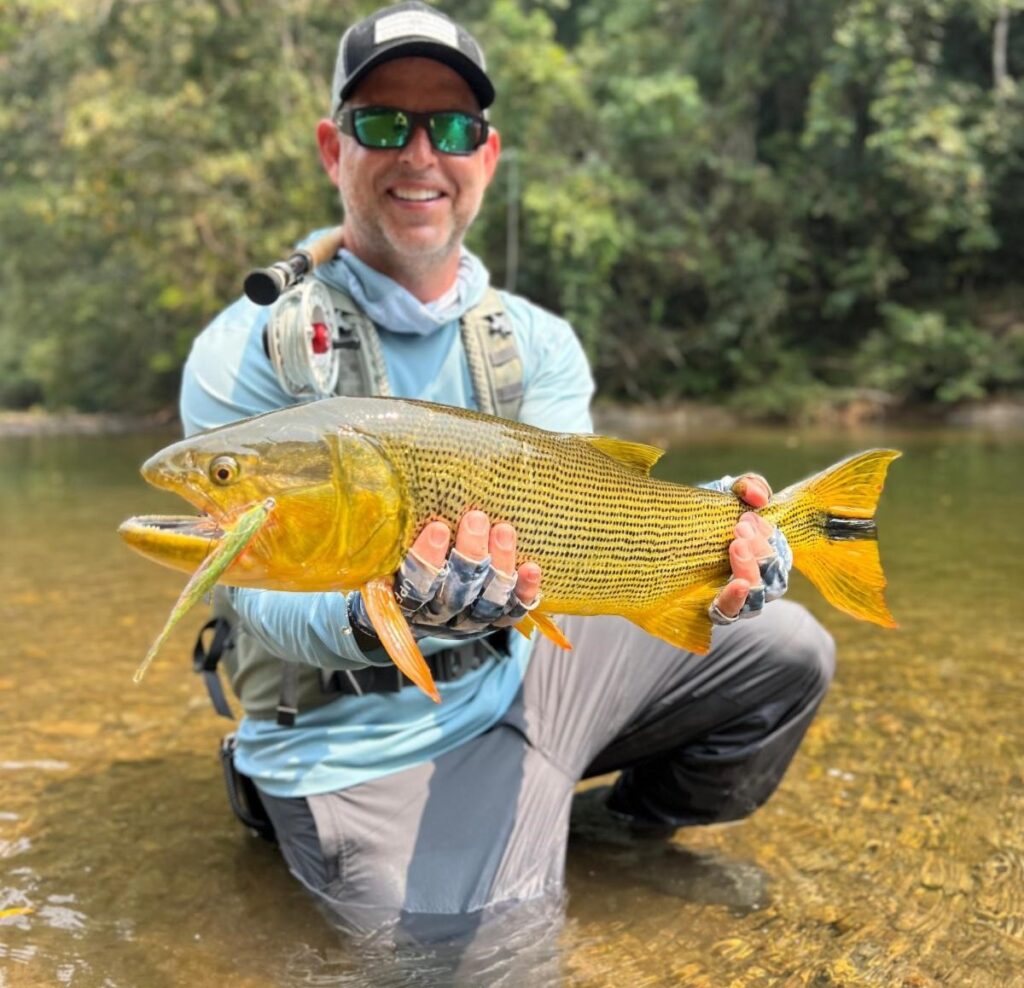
424,249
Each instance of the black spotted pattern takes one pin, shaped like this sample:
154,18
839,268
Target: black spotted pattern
607,537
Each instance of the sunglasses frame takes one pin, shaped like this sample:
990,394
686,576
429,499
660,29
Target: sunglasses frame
346,123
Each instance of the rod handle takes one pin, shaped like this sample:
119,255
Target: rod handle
264,285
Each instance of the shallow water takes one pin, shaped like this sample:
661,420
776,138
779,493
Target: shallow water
892,855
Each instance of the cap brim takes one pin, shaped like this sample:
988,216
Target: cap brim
475,77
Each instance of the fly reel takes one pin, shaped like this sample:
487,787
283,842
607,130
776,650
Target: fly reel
302,340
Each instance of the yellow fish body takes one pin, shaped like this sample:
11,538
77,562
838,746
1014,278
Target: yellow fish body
355,479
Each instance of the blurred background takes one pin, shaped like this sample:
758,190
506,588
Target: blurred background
782,207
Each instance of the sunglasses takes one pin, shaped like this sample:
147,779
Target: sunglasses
387,127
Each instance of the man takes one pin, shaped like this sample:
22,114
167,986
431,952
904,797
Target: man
386,806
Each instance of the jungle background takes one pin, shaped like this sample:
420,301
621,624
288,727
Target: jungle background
764,205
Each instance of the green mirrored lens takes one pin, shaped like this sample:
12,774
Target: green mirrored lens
382,128
454,133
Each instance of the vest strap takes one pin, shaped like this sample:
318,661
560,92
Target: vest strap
365,373
205,658
495,365
243,796
492,356
288,701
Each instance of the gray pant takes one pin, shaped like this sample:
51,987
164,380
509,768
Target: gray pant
700,739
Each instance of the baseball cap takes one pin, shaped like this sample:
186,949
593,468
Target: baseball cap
405,30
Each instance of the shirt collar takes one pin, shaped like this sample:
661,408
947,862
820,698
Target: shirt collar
395,308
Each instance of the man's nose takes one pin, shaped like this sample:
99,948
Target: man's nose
419,151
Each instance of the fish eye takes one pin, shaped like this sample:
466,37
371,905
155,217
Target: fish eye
224,470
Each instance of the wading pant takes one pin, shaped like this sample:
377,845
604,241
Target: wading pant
699,739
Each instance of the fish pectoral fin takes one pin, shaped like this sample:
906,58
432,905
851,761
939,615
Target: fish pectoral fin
682,618
394,634
546,626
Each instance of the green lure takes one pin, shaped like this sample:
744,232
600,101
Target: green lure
229,548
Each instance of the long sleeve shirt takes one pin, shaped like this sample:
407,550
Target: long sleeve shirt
228,376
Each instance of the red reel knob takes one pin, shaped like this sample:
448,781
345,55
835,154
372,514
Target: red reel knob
321,338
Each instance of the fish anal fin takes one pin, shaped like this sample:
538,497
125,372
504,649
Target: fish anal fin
394,634
546,626
682,619
636,456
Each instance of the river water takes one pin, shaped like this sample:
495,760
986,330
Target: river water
892,855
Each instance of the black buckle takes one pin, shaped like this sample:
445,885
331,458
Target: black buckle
286,715
348,340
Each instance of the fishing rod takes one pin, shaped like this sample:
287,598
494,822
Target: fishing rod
264,285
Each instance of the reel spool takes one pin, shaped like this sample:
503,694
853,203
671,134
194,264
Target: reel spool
302,340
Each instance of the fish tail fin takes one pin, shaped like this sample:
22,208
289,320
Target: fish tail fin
828,520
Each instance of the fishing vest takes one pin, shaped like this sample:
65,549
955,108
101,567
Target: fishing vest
268,686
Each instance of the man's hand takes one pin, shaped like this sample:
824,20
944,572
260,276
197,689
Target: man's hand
758,555
463,592
476,540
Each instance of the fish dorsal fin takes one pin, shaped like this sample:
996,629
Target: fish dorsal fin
636,456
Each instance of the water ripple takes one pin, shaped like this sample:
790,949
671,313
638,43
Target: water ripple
42,764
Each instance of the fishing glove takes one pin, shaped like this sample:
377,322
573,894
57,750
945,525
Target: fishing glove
462,599
774,570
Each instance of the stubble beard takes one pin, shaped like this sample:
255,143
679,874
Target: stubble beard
392,257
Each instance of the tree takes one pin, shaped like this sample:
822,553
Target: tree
730,200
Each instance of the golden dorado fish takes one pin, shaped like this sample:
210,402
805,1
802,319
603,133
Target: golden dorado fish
354,480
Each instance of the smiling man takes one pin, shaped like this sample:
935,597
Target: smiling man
392,809
406,214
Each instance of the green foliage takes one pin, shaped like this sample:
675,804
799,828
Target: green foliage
928,356
730,200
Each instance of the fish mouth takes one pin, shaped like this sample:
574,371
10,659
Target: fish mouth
198,526
179,541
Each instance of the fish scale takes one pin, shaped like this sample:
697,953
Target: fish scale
599,531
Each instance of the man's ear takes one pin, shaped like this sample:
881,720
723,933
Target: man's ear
329,141
491,152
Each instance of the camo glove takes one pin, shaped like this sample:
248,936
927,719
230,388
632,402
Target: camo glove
462,599
774,570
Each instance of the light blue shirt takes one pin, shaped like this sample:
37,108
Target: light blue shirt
228,377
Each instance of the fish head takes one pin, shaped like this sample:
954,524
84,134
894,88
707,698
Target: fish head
335,519
223,473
